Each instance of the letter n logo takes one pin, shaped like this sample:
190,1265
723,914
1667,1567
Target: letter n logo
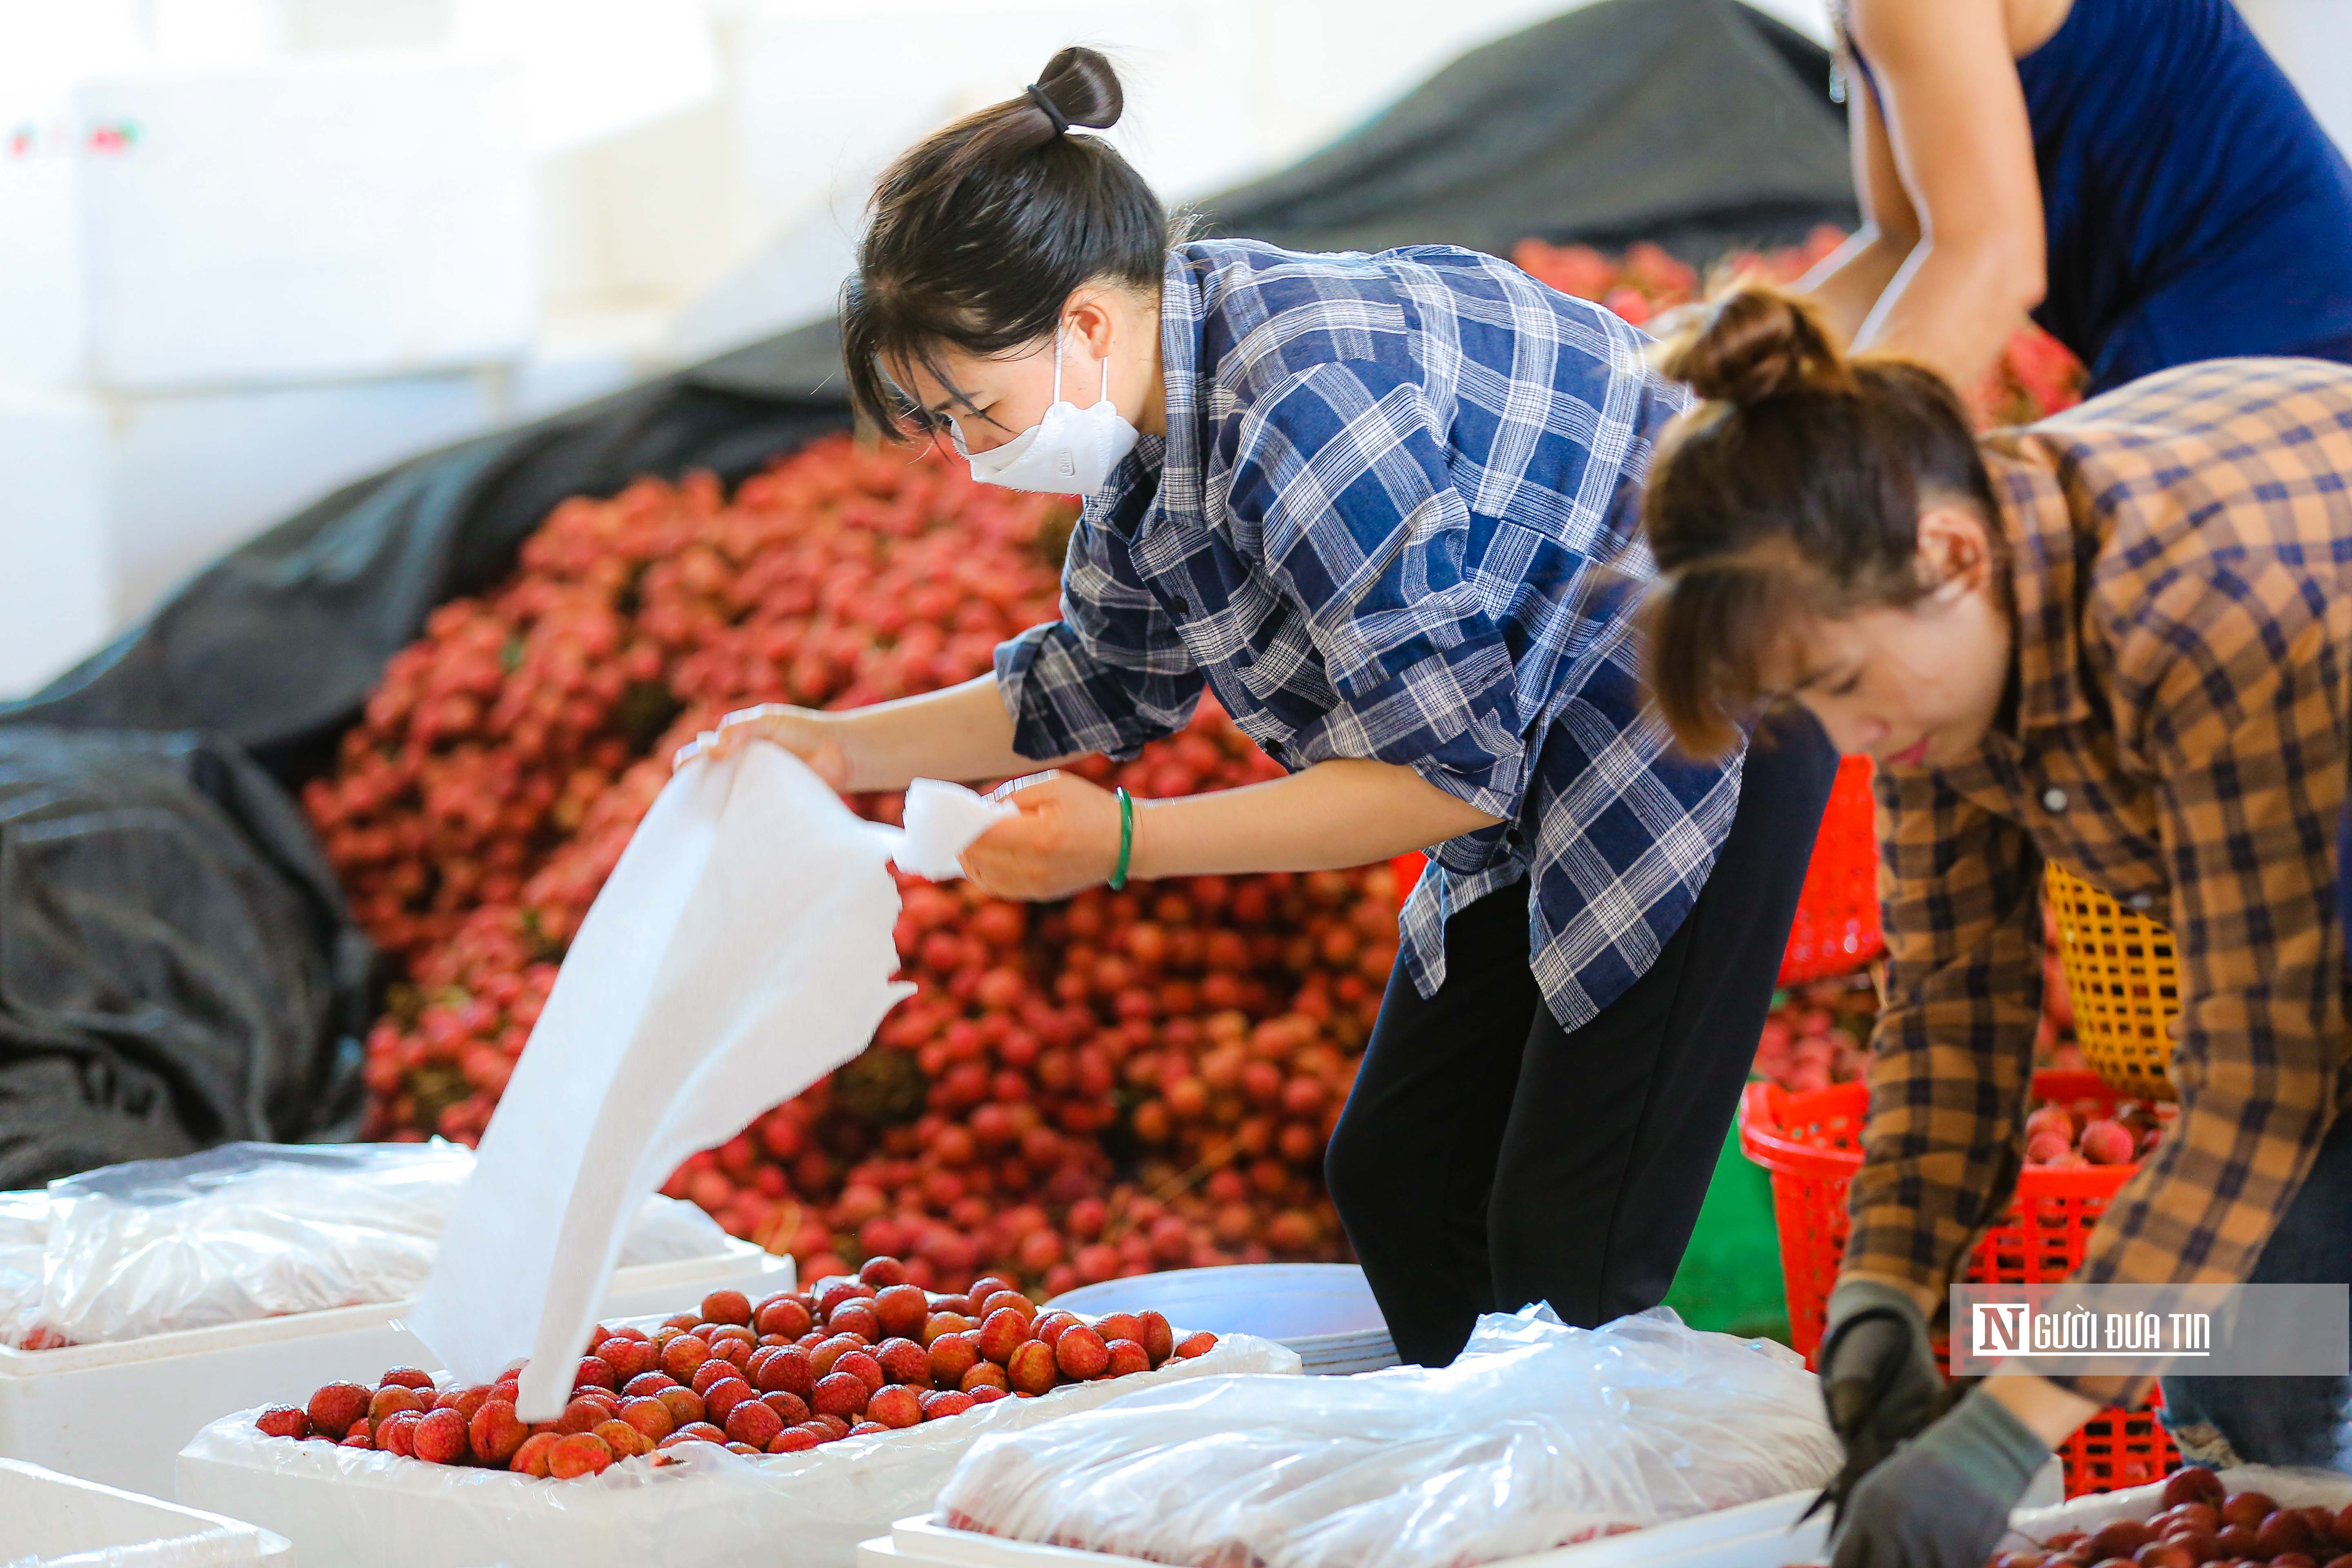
2000,1326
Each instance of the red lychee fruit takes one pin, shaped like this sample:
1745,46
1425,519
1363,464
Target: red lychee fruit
580,1453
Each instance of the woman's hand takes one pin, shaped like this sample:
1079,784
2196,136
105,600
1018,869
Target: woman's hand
804,732
1064,840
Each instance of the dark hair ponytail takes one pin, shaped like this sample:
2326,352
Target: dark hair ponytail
1794,490
978,234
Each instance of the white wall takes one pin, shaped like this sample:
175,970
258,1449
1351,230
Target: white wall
2313,40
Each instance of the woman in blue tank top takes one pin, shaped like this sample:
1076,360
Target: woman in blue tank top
2138,175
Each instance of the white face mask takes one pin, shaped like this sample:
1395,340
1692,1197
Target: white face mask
1070,452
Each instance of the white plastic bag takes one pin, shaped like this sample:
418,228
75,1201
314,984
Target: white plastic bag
706,1506
24,1251
248,1231
740,949
1537,1436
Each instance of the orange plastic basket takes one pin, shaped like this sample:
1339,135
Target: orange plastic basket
1837,928
1811,1146
2124,980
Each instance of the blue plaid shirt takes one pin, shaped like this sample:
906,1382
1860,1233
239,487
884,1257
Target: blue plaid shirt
1372,530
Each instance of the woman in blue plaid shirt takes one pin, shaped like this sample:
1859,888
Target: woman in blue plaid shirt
1384,508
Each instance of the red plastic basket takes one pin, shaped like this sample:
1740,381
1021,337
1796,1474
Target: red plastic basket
1811,1146
1837,928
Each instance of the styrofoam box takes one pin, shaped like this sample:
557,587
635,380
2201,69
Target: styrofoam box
1764,1535
316,218
113,498
1325,1311
2288,1488
50,1515
1772,1534
709,1507
119,1413
1285,1301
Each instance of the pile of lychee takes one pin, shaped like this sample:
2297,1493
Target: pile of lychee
856,1355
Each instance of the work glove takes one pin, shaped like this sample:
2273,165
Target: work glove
1878,1380
1943,1499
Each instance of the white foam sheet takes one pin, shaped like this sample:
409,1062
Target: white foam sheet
740,949
942,819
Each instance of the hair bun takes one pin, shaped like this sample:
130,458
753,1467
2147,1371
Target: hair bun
1079,86
1752,343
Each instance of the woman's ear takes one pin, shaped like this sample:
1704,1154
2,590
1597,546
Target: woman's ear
1956,553
1088,317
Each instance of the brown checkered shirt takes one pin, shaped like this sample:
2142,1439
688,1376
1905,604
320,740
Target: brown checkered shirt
2182,565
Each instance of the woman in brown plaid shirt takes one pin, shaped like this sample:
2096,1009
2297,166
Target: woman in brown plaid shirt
2117,639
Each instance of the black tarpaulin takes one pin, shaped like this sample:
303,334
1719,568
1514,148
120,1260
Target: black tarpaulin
1698,123
176,964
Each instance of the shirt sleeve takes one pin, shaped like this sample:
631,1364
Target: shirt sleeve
2242,729
1340,475
1112,675
1952,1054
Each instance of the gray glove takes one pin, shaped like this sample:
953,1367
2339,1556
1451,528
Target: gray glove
1943,1500
1878,1374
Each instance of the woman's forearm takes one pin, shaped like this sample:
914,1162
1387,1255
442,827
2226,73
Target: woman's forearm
1848,282
959,733
1954,307
1334,815
2051,1412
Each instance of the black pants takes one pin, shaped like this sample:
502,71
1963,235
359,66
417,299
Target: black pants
1488,1158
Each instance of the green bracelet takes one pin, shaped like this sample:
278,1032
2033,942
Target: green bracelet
1126,837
